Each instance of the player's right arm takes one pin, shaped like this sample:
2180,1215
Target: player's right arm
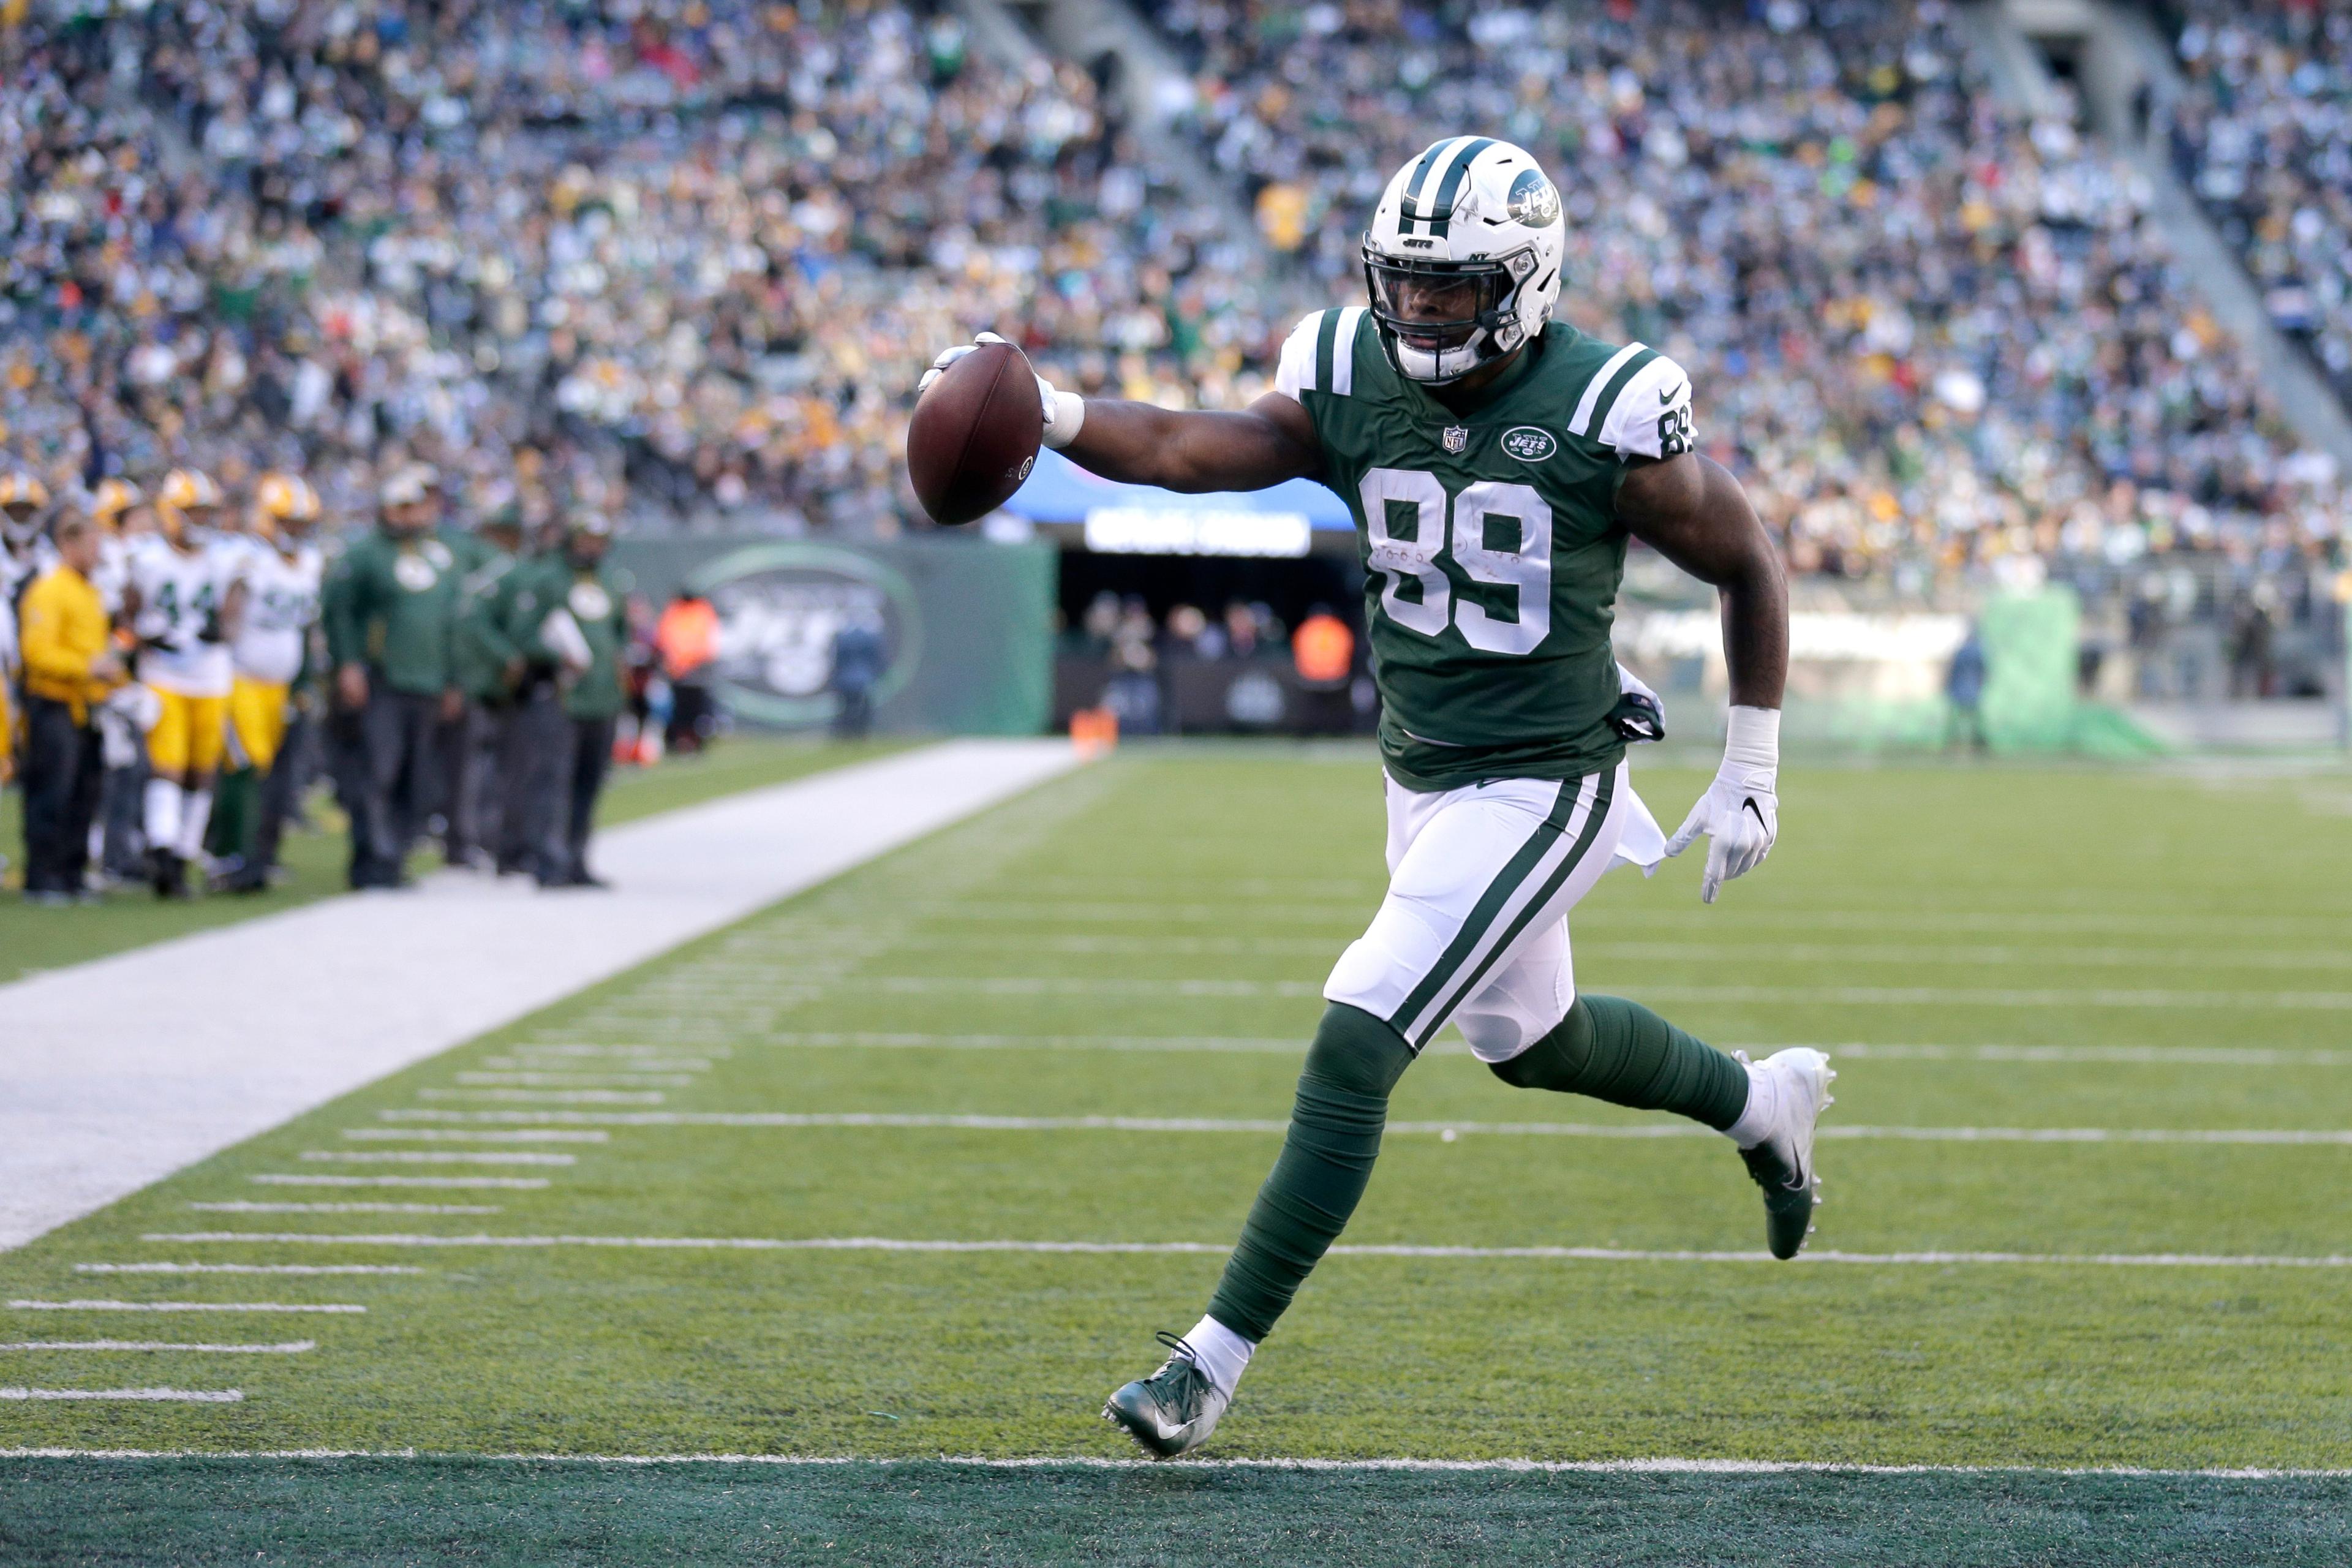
1178,450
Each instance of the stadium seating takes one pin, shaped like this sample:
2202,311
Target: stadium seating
1928,335
709,251
2261,137
698,250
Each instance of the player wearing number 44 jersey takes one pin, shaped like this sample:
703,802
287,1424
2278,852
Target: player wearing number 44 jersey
1497,463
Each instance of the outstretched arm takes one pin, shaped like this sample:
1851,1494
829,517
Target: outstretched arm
1138,443
1696,515
1270,441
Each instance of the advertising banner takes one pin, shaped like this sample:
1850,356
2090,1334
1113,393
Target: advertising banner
965,627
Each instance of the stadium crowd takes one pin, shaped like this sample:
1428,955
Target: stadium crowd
697,250
2264,137
1926,334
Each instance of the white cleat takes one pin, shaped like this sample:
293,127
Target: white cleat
1783,1164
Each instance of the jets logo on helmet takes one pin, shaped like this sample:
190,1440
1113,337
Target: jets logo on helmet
1463,257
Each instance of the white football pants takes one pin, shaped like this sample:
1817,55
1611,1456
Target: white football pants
1474,925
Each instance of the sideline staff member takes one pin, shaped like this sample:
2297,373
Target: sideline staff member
69,665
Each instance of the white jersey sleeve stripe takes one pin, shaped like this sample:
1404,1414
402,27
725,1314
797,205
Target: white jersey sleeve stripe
1296,372
1632,426
1343,352
1593,388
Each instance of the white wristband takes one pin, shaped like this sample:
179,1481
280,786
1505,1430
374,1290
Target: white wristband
1751,745
1069,415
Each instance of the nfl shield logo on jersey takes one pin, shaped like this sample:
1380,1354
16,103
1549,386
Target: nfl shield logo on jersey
1457,437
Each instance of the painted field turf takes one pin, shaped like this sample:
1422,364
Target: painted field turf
2102,955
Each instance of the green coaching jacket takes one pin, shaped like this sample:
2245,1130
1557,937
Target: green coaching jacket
391,605
597,598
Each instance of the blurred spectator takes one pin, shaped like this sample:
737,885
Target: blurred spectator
686,639
859,656
1964,684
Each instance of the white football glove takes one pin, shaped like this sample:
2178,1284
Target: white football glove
1065,411
1740,813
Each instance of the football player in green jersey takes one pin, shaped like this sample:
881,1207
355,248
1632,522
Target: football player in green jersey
1496,462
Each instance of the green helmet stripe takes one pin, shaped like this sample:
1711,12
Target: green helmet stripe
1409,207
1441,211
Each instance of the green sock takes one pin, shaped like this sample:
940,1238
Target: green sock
233,815
1335,1136
1622,1052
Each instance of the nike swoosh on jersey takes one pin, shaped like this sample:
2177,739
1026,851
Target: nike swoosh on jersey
1666,397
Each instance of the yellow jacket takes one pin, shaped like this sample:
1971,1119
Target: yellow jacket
62,631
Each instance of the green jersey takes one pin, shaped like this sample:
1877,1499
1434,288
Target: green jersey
1490,542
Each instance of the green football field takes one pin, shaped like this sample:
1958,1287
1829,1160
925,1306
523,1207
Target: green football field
911,1166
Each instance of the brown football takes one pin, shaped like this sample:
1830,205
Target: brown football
974,435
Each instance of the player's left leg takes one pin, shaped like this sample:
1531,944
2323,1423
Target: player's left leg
1528,1024
1471,870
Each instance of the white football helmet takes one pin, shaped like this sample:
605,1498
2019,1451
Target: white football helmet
1463,257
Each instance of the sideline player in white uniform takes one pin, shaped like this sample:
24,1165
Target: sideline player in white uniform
280,571
1496,462
184,603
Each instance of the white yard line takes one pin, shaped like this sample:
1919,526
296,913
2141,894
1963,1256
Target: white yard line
83,1304
291,1347
436,1157
1025,985
1439,1466
550,1096
1447,1130
577,1079
162,1395
96,1102
528,1135
1214,1250
1295,1045
246,1268
242,1207
504,1183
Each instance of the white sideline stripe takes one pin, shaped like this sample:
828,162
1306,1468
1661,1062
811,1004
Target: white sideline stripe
96,1103
551,1096
1854,996
86,1304
246,1268
701,1054
505,1184
1213,1249
167,1396
291,1347
984,1123
242,1207
436,1157
535,1135
1441,1466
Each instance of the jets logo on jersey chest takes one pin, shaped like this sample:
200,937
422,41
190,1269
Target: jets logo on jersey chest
1528,443
1455,440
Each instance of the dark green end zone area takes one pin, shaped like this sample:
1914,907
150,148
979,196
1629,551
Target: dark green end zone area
903,1515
